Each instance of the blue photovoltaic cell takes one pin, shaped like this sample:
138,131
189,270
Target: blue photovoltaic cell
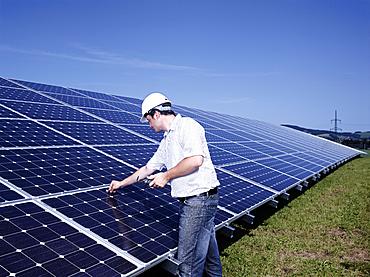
238,195
287,168
201,120
222,217
115,116
24,95
259,146
242,151
50,112
46,88
138,219
6,83
97,133
221,157
332,153
45,171
328,157
279,147
214,138
205,125
18,133
124,106
206,122
6,194
137,155
249,135
33,242
227,135
263,175
96,95
301,163
211,124
145,130
130,99
312,158
255,133
290,144
81,101
6,113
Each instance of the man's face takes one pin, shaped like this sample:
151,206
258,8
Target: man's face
154,122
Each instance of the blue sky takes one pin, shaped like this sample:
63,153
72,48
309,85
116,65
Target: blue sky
279,61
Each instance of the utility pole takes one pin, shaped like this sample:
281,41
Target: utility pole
336,120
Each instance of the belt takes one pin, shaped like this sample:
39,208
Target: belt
207,193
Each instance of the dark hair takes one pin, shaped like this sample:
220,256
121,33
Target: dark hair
168,112
152,112
165,112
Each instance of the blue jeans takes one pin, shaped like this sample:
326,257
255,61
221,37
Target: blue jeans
197,248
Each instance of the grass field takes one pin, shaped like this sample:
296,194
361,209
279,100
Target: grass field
325,231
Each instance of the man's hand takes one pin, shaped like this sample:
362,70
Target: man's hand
159,180
140,174
114,185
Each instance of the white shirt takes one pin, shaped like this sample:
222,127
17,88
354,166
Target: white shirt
185,138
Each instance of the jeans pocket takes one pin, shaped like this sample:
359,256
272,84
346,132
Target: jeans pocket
196,201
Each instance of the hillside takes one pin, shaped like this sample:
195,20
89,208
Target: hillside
359,140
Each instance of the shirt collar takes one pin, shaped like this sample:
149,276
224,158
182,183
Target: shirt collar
174,124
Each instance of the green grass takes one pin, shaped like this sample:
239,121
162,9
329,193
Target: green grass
323,232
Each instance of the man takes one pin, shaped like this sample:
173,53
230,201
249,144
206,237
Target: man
184,152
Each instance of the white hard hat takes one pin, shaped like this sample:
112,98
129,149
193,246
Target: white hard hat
154,100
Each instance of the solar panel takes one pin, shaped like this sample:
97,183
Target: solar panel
81,101
23,95
264,175
48,112
97,133
51,170
6,194
6,83
96,95
114,116
60,148
124,106
260,147
288,168
46,88
6,113
242,151
35,242
230,136
239,196
221,157
145,131
137,155
18,133
134,222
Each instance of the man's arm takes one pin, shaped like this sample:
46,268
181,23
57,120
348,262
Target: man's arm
140,174
183,168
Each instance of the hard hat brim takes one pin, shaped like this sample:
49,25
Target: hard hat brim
143,119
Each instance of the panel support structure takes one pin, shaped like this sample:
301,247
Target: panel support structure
170,265
285,196
273,203
299,187
248,218
227,231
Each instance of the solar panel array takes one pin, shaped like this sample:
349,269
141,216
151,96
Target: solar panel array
61,147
